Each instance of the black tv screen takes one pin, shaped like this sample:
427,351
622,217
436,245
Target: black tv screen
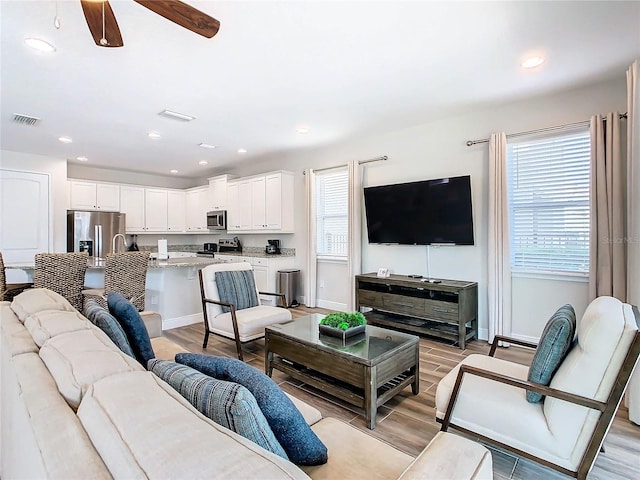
421,213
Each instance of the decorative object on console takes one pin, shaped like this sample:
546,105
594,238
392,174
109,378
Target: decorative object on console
131,322
555,342
226,403
301,444
343,325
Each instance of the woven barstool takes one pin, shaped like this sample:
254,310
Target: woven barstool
125,273
63,273
7,292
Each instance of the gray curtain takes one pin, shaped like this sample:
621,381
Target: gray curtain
608,204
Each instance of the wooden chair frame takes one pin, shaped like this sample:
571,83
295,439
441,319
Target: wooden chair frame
234,320
607,408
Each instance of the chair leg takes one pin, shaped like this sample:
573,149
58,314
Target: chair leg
206,338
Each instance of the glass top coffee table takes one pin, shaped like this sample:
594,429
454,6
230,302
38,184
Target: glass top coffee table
365,370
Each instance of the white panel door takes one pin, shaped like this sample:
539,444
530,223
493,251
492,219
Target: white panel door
132,203
233,207
155,210
176,211
273,202
244,205
218,193
258,209
24,215
108,197
82,195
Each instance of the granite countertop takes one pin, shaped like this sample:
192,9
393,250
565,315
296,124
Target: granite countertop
98,263
256,254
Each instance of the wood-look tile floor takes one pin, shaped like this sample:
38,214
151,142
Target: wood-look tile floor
408,421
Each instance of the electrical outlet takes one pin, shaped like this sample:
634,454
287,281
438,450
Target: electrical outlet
321,283
154,299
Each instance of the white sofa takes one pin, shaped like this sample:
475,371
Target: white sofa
74,406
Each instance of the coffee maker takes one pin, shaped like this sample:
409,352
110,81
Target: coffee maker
273,247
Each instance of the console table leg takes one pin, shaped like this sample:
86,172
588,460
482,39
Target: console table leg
415,370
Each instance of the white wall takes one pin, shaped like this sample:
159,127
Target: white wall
57,169
436,149
86,172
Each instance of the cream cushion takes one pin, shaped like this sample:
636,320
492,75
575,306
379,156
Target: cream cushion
142,428
49,323
18,339
352,452
310,414
78,359
471,460
38,299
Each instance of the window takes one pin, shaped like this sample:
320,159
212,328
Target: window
549,204
332,212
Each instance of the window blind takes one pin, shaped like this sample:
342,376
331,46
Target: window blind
549,203
332,213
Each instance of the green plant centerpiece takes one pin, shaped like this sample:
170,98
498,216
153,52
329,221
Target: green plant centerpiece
341,324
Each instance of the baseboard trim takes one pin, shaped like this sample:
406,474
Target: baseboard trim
183,321
329,305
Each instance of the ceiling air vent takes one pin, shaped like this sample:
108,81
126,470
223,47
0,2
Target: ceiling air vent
25,120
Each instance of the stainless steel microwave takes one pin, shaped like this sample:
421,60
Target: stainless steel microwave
217,220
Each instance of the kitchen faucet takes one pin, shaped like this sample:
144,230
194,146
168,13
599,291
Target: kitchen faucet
124,239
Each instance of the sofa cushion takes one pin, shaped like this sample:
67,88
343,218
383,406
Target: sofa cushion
16,336
555,342
49,323
129,319
78,359
39,299
226,403
102,319
238,288
302,446
163,436
251,321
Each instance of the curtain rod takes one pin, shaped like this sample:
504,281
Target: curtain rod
584,123
361,162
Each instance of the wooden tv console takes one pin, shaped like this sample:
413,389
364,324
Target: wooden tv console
448,309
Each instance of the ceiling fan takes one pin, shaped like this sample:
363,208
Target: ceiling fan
104,27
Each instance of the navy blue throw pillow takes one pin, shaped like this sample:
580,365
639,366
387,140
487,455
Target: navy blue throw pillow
131,322
302,445
109,325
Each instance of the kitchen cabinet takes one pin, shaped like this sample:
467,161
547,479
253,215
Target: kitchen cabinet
176,211
218,192
155,210
197,201
261,204
94,196
132,204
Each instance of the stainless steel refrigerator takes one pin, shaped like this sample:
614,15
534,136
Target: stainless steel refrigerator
93,232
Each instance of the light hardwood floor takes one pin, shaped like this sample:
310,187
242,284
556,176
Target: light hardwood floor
408,422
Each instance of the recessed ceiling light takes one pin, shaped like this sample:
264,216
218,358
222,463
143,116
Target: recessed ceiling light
154,135
203,162
39,44
532,62
242,150
65,139
174,171
206,145
302,130
176,115
82,159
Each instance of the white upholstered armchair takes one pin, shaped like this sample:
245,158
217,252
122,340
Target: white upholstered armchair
486,397
230,304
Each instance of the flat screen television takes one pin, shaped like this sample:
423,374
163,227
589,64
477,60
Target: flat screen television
421,213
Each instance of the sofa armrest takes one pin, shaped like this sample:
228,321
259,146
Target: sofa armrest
515,382
501,338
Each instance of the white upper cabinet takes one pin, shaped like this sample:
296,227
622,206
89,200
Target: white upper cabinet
197,200
176,211
155,210
132,201
218,192
261,204
94,196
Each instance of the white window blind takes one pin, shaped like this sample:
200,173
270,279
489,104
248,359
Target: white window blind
549,204
332,213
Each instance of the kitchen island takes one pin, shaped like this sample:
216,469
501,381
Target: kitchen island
172,287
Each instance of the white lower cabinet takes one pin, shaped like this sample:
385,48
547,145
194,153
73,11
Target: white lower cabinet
265,272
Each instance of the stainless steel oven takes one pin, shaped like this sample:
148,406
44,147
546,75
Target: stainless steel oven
217,220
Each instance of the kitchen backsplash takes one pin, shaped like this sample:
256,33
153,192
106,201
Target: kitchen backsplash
198,247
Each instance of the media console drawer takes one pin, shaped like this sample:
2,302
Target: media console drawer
448,309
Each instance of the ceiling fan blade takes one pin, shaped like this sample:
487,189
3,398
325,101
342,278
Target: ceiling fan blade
93,13
184,15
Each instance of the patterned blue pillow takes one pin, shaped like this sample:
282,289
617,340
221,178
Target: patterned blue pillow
555,343
109,325
131,322
226,403
302,445
237,287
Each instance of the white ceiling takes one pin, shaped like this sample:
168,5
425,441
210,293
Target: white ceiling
340,68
